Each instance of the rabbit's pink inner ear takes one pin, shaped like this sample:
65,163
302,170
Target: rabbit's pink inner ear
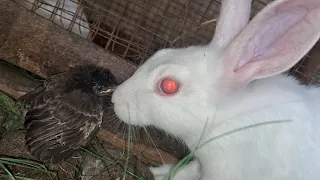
275,40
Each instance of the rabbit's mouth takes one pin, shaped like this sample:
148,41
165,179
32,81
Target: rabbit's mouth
126,113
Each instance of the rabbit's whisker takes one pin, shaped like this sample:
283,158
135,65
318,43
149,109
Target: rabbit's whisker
149,137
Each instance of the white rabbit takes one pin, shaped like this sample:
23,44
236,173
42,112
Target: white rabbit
266,125
61,12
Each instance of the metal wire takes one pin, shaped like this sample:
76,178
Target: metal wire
135,29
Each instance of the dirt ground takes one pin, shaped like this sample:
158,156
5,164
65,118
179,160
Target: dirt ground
81,166
84,165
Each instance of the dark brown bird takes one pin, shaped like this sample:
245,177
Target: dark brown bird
66,112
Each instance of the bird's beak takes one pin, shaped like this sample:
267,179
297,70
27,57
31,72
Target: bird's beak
107,92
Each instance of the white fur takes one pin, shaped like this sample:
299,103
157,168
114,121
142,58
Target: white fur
64,11
189,172
228,88
227,28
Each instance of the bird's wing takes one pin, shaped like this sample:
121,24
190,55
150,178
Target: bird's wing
58,124
58,81
51,87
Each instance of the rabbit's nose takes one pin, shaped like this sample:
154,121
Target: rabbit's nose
118,96
114,98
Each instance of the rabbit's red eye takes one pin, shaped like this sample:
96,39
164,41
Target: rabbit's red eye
169,86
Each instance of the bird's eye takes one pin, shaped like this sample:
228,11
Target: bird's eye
99,88
169,86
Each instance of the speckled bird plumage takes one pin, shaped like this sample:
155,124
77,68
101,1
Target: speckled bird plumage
66,112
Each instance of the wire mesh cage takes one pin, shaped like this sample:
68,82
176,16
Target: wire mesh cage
135,29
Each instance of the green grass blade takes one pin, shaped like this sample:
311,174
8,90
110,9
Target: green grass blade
128,154
7,171
186,159
17,177
95,155
25,166
26,163
241,129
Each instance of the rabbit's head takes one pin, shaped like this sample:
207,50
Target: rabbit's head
179,89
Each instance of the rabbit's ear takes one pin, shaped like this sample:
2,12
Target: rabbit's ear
234,16
274,41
